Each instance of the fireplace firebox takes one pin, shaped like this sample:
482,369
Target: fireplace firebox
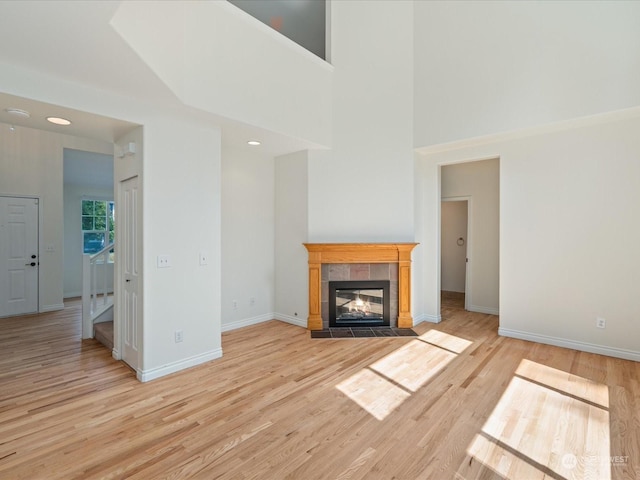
359,303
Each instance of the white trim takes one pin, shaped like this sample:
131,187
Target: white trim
116,354
70,295
152,374
597,119
573,344
425,317
247,322
487,310
52,308
292,320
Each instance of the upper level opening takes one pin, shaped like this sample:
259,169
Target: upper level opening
303,21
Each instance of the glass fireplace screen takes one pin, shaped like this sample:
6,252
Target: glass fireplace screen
355,303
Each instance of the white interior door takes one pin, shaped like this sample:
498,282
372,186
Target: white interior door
128,211
19,262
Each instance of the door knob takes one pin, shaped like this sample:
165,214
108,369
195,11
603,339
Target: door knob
127,280
32,264
33,256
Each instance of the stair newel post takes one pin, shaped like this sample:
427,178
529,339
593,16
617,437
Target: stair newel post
87,324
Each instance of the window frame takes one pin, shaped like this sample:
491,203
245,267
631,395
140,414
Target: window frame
108,232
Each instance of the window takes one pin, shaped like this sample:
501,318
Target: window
98,225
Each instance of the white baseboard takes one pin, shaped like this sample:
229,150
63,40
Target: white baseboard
67,295
487,310
153,373
52,308
247,322
292,320
116,354
573,344
425,317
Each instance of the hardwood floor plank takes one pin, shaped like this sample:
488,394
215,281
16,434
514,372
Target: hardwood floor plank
273,407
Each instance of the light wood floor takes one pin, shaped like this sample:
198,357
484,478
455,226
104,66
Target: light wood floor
458,402
451,300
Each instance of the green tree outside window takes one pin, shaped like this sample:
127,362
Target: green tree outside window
98,225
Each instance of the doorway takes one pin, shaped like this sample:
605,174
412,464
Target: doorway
454,241
478,182
19,255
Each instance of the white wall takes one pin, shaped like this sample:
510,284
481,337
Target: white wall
73,248
31,165
488,67
248,212
567,236
480,181
219,59
453,251
362,190
291,230
181,177
425,284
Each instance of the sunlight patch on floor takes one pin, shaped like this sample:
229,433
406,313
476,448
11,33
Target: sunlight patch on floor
386,383
375,394
414,364
446,341
557,430
584,388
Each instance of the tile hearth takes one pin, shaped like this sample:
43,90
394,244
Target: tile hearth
363,332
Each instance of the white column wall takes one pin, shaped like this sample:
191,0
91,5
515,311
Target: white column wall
247,237
291,231
182,217
362,189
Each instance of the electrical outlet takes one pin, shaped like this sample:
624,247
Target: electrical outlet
163,261
601,322
252,301
178,336
234,304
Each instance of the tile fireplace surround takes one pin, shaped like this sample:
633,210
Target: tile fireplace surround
396,254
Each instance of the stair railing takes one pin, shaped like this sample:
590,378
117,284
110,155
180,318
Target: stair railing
95,287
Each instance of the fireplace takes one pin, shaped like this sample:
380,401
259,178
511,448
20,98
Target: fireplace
363,303
362,261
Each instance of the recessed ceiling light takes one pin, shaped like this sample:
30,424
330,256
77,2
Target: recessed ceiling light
59,120
253,142
17,111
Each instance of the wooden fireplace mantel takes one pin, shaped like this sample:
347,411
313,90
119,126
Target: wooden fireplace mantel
320,253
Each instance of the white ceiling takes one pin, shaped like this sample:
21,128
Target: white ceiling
83,124
74,41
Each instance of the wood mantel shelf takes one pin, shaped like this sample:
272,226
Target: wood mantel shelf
320,253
